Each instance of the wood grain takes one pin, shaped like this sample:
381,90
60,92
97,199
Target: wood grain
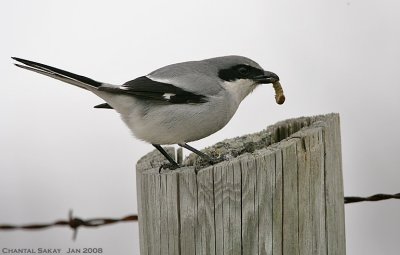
280,193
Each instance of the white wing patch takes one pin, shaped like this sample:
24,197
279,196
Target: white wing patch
168,95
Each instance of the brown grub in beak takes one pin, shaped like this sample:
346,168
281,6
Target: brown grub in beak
279,96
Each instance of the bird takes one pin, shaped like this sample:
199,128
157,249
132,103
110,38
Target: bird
175,104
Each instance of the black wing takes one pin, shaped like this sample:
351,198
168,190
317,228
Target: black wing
146,88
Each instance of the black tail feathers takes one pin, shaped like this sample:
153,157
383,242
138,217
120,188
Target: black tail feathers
49,70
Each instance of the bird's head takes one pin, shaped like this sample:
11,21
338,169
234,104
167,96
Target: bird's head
240,75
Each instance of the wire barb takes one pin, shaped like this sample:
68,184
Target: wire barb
73,222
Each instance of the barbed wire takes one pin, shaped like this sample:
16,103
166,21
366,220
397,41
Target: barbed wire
74,222
373,198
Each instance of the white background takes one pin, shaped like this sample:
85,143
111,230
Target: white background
58,153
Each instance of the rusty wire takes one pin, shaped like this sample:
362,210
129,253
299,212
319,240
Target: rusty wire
75,223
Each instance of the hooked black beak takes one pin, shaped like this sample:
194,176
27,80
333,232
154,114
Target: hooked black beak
267,77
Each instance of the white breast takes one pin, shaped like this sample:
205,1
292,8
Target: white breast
179,123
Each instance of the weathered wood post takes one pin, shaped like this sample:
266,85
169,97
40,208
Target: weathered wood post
282,194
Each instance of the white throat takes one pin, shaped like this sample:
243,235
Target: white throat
239,89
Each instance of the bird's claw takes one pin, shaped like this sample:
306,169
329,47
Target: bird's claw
214,161
169,166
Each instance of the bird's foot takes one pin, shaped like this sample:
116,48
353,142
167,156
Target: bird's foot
169,166
214,161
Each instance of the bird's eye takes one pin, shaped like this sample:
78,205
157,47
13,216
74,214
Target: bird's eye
243,70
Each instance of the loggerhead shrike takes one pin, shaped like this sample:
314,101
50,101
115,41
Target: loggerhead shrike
175,104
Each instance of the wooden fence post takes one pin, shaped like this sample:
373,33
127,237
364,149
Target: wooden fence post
284,197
